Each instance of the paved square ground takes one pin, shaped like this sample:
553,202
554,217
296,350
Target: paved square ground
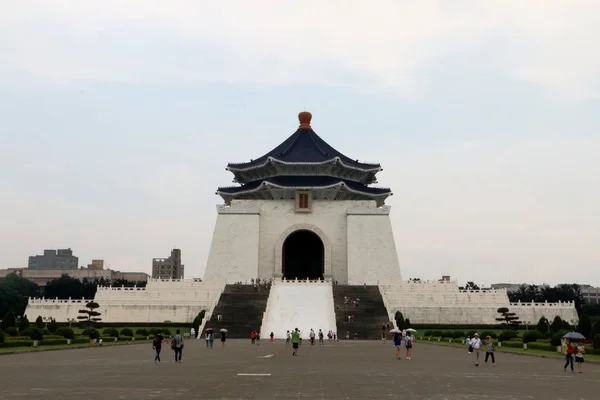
345,370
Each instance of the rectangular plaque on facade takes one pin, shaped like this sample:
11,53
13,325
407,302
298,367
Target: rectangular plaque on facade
303,200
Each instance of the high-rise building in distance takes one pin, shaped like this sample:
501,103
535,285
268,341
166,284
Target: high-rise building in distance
168,268
54,259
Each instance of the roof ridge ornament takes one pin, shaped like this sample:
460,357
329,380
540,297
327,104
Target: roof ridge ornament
304,117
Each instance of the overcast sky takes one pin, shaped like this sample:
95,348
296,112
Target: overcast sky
117,118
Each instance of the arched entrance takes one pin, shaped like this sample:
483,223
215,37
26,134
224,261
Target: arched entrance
303,256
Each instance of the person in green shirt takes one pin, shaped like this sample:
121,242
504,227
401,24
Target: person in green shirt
295,341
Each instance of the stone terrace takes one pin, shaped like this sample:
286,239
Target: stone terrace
345,370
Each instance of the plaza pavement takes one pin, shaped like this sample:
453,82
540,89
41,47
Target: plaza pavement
344,370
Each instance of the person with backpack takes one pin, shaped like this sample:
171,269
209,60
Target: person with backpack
408,343
157,345
177,345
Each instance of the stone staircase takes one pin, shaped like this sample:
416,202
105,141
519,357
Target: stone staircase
241,308
368,316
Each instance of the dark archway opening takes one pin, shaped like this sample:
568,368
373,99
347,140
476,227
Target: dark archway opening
303,256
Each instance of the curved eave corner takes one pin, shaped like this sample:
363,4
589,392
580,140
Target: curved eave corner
269,185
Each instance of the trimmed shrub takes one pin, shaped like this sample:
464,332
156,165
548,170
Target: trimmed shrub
531,336
1,337
92,333
46,331
142,332
540,346
124,338
556,339
597,341
140,337
458,335
80,340
447,334
126,332
110,332
65,332
33,333
17,343
53,337
491,334
512,343
52,326
53,342
166,332
11,331
548,335
427,333
506,336
437,333
471,333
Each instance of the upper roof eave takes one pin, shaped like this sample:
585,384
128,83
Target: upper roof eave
236,191
242,167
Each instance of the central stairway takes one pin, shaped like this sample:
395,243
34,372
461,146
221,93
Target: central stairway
368,316
241,308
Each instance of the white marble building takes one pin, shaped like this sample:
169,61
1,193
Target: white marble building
303,210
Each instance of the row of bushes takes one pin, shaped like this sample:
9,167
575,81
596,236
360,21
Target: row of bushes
65,332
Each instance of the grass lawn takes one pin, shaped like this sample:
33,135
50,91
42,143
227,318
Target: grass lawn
553,354
5,350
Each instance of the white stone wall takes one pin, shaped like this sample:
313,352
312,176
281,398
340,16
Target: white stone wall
372,255
234,251
444,303
160,301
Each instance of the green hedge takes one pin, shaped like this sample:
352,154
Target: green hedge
80,340
139,337
541,346
142,332
53,342
126,332
450,327
17,343
66,332
125,338
1,336
110,332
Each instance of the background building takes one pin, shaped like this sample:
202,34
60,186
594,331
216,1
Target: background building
42,277
54,259
168,268
590,294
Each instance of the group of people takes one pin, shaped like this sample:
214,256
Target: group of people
176,345
399,337
475,344
573,351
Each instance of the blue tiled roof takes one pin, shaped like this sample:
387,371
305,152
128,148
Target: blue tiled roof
305,181
304,146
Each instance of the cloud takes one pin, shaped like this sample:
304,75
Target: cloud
549,43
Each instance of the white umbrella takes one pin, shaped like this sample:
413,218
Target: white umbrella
411,330
223,330
395,330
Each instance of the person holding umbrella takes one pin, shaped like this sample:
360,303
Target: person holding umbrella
570,350
223,337
408,342
397,341
208,335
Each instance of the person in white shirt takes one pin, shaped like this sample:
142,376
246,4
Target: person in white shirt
476,345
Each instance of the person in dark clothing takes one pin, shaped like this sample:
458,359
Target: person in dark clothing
157,346
223,339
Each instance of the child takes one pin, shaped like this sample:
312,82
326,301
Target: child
579,356
489,350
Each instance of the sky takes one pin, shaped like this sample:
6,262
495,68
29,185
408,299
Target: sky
117,119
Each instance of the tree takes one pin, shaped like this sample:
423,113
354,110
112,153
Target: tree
557,324
14,293
399,320
543,325
507,318
196,323
8,321
470,286
64,287
90,316
52,326
23,323
407,323
585,326
39,322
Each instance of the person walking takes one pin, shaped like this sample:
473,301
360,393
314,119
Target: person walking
272,336
177,345
579,350
490,349
288,337
321,341
408,343
569,355
295,341
397,343
312,337
157,346
223,338
207,338
475,347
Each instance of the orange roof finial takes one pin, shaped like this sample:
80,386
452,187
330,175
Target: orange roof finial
304,117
